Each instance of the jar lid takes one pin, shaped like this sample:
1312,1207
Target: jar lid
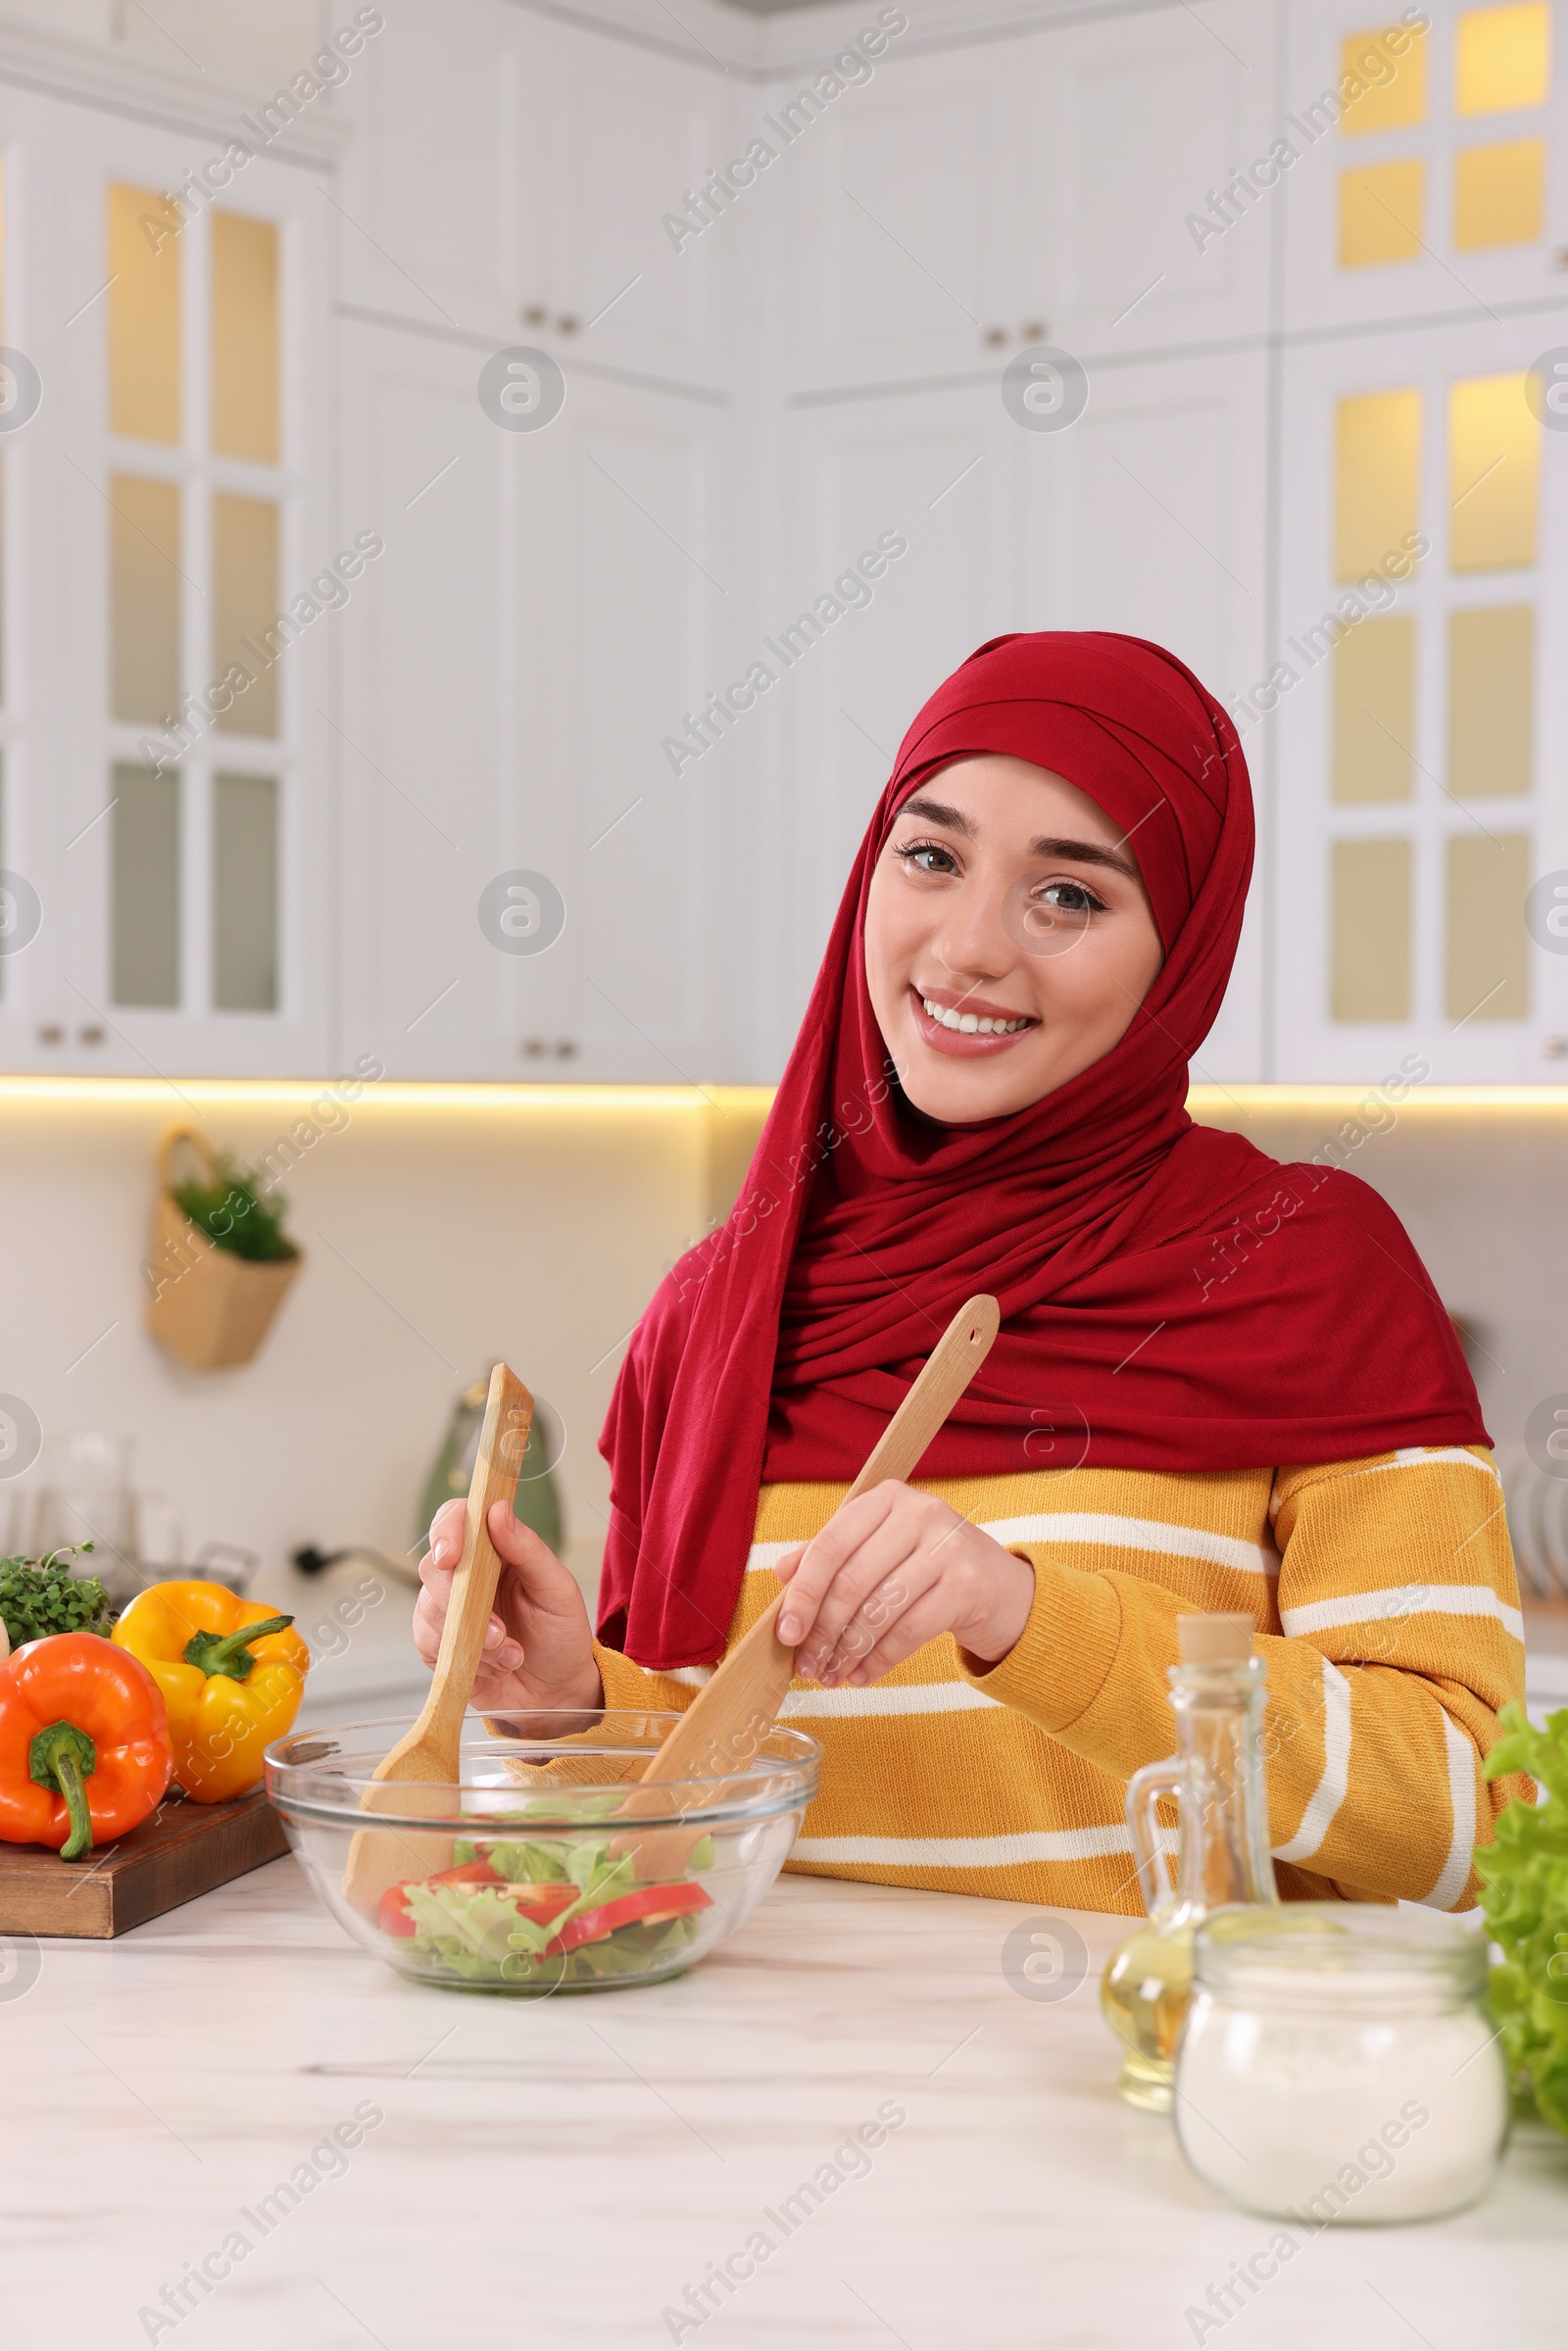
1345,1953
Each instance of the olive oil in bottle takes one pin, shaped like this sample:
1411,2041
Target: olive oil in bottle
1216,1778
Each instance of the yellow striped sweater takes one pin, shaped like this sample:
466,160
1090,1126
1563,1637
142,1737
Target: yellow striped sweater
1387,1609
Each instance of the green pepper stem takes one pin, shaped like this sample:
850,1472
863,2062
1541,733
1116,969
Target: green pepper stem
229,1652
62,1757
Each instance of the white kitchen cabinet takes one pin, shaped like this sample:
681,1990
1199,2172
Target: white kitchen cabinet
1404,205
182,854
917,482
435,230
540,620
1420,748
1129,125
615,264
905,232
514,181
1147,517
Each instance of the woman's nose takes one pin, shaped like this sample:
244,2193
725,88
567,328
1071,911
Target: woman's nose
972,941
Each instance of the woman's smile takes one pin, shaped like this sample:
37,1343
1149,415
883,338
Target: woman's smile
950,1021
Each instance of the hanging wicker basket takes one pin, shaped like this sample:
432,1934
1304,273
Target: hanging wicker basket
208,1308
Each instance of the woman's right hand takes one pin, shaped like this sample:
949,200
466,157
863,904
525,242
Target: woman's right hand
538,1646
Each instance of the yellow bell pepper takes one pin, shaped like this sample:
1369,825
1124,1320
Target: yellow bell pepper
232,1673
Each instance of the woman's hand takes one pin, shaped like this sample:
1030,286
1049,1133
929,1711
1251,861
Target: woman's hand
539,1645
890,1570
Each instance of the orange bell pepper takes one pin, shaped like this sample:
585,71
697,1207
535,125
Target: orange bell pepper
84,1744
232,1673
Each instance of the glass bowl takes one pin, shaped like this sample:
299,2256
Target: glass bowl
528,1877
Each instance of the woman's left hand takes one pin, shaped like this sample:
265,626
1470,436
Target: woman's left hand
893,1569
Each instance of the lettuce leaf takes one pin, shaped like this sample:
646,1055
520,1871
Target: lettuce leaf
1524,1874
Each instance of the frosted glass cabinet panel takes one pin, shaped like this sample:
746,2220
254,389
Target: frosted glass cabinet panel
1418,741
171,802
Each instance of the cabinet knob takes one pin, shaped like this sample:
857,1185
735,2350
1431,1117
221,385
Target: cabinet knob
531,1047
52,1032
565,325
93,1034
994,337
1035,333
1555,1049
566,1048
534,315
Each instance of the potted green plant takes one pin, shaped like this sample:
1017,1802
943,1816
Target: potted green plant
221,1263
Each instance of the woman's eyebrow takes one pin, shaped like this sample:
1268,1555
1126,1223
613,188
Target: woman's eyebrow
1053,845
1084,852
937,812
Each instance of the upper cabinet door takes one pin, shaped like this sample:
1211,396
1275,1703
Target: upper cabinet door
529,881
439,796
900,543
1416,697
627,603
183,750
623,156
904,218
1147,517
40,1021
1430,175
434,231
1136,128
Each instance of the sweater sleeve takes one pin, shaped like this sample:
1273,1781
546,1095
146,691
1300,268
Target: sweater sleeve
640,1691
1395,1638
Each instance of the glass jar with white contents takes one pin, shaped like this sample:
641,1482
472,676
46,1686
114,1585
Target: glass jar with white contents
1338,2063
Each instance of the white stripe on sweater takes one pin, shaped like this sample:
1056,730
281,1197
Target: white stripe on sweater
1455,1871
1402,1602
971,1853
1102,1527
1111,1531
910,1698
1330,1791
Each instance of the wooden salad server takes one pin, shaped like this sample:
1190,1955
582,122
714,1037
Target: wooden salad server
429,1753
734,1713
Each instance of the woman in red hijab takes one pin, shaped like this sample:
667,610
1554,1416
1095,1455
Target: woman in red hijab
1220,1382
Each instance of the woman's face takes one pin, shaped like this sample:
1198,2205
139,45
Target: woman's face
1009,938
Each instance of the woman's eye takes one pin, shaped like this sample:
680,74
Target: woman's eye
927,856
1070,898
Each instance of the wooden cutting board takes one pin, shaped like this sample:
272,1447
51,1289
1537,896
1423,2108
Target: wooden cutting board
180,1851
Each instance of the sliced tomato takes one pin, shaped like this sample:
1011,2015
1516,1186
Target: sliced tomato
648,1906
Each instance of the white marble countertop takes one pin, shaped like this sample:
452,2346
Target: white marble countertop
557,2174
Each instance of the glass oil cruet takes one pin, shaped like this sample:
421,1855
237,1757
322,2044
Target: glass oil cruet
1218,1692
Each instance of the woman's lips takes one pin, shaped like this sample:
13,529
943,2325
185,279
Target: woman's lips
963,1045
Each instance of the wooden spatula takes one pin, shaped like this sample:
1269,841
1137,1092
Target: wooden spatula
427,1756
728,1719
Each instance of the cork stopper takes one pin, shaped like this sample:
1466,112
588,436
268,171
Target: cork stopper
1217,1639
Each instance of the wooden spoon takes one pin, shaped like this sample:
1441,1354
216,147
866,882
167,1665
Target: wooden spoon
429,1753
732,1715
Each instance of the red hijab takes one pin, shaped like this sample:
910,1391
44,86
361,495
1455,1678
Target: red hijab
1170,1298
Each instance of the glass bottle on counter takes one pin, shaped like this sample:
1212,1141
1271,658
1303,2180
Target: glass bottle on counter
1216,1778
